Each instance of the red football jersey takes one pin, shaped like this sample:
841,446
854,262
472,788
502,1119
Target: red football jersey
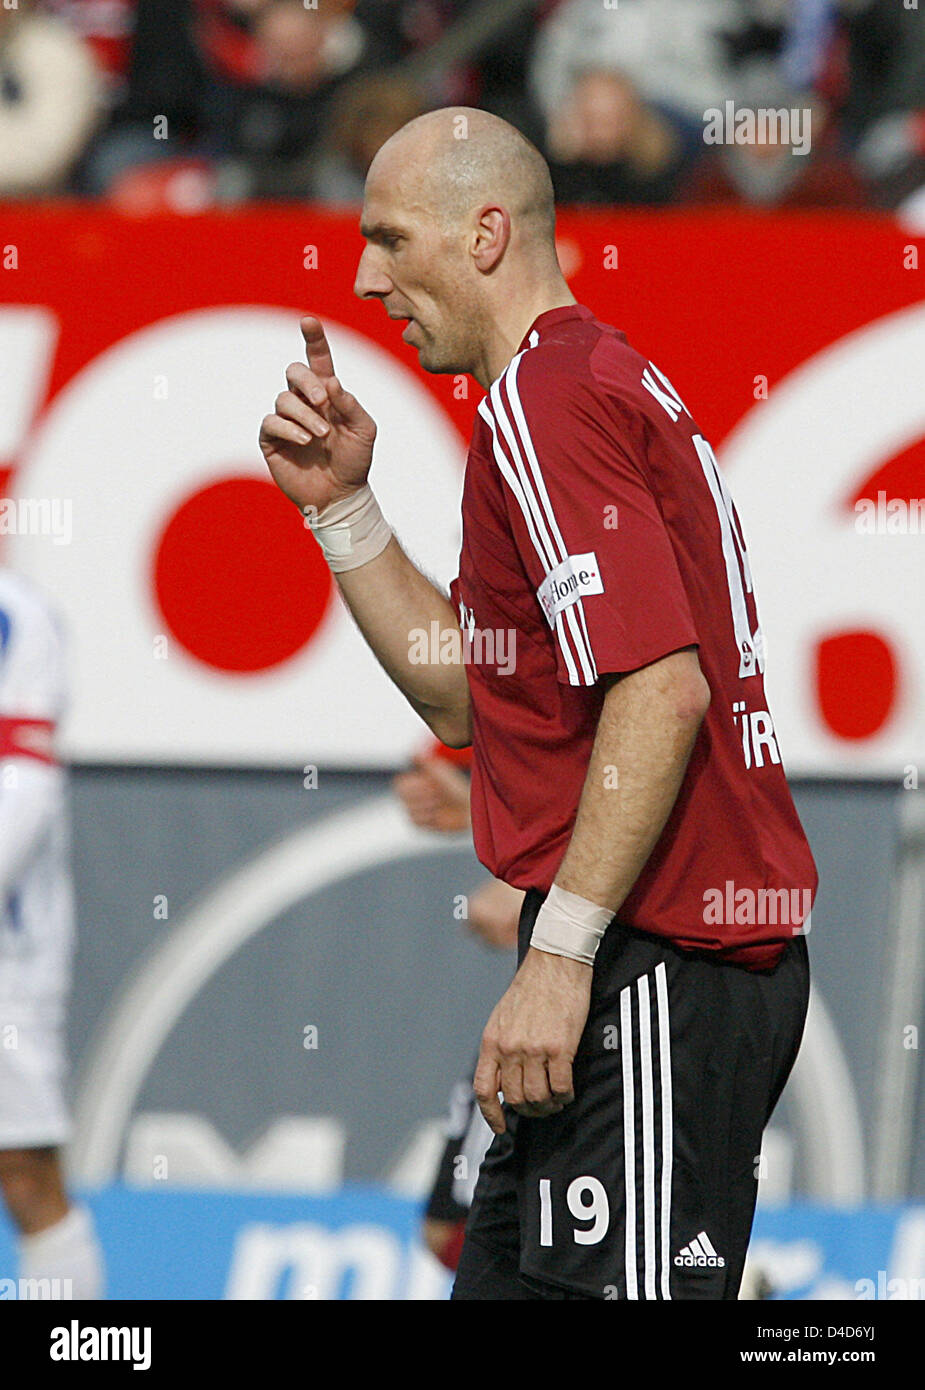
599,536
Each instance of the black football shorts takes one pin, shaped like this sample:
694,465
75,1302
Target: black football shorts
645,1186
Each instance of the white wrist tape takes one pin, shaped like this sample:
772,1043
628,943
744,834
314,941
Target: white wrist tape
351,532
568,925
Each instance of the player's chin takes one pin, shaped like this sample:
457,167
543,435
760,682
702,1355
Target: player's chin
429,359
432,359
440,366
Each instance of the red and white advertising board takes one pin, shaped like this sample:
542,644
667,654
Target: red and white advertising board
139,357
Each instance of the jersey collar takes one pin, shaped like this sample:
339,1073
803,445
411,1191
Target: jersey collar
552,317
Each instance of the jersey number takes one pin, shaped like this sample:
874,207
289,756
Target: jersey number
587,1201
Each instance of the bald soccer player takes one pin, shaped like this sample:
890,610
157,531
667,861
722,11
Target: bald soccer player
626,771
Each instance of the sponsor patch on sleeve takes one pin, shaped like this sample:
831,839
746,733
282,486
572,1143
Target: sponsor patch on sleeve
575,577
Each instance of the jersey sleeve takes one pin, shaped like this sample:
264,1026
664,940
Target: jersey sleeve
585,522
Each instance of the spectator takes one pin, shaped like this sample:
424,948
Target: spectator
363,116
885,107
270,130
244,89
492,75
886,62
50,101
769,172
891,154
158,117
809,44
224,36
107,28
673,51
605,144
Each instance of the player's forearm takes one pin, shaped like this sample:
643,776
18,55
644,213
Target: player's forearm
395,607
646,732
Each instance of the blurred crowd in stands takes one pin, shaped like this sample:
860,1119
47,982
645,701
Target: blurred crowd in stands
187,104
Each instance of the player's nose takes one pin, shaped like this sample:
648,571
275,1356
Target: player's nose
371,281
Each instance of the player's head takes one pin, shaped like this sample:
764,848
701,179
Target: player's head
458,217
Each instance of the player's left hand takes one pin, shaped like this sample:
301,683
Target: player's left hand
435,794
531,1039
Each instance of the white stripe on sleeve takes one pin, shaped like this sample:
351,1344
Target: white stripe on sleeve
544,531
513,483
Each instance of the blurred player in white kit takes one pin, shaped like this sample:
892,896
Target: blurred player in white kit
57,1240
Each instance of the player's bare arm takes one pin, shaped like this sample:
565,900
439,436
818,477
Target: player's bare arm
645,735
646,731
318,444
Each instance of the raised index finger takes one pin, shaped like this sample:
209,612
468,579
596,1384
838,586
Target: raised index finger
316,347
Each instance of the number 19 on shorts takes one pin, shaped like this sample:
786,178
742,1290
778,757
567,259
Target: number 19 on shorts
588,1206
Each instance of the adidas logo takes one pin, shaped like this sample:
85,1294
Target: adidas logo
700,1254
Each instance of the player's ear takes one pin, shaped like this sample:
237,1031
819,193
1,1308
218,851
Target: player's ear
490,237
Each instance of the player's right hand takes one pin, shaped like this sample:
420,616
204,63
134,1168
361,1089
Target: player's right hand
318,443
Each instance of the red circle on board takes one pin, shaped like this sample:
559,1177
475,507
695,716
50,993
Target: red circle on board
856,683
240,585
